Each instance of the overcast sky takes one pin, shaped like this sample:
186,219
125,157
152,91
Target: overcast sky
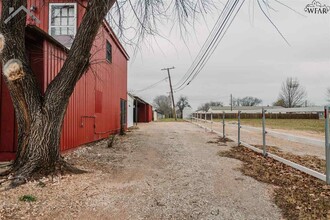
251,60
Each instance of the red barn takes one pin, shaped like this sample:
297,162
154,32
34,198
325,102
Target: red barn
98,105
144,110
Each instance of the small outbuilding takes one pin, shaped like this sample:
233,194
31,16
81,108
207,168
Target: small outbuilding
138,111
142,111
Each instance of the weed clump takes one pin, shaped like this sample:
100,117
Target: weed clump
28,198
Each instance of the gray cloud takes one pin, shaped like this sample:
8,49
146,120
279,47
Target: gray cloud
251,60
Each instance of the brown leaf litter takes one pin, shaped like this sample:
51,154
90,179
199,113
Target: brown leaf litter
298,195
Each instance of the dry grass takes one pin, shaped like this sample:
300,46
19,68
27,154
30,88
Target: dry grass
170,120
314,125
299,195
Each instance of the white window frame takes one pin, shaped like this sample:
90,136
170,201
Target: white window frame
50,16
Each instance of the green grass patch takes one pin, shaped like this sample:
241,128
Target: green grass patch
28,198
314,125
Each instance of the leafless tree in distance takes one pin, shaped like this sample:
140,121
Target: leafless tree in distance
292,94
182,104
162,103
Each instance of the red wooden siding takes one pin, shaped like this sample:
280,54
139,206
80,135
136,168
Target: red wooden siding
7,125
94,108
150,113
144,112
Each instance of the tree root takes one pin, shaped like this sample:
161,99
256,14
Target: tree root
6,172
30,171
65,166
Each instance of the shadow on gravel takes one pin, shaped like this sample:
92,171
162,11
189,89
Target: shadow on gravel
297,194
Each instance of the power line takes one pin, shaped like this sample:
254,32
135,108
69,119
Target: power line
214,48
205,46
208,43
151,86
218,36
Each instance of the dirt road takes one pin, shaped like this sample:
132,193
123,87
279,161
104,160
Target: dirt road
159,171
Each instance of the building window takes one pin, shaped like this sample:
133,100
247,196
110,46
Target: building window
63,22
109,52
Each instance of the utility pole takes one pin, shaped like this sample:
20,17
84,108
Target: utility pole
169,78
231,102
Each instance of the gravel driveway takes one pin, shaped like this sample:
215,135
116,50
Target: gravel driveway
159,171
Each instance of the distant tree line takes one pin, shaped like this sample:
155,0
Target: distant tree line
205,107
247,101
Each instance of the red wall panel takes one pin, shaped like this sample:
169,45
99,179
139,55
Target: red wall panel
144,113
82,123
149,113
7,117
89,116
94,109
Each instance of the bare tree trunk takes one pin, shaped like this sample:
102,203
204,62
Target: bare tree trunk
40,118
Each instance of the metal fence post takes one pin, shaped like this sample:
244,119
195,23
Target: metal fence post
327,146
239,128
264,150
223,125
211,122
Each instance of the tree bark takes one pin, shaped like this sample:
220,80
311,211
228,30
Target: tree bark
39,118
